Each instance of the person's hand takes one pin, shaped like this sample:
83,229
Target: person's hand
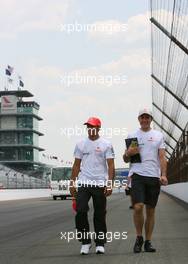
132,151
128,181
72,190
163,180
107,191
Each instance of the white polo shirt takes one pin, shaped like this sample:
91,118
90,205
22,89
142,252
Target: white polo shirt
94,154
149,144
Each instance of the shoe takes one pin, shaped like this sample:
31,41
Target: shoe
148,246
85,249
130,207
100,250
138,244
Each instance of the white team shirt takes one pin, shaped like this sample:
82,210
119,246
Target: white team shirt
149,144
93,154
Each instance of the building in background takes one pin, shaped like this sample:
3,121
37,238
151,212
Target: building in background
19,130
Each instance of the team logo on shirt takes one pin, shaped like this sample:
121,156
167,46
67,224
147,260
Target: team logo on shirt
98,149
151,139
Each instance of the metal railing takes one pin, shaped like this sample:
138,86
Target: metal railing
178,162
169,42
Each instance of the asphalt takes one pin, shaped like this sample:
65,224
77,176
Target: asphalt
30,232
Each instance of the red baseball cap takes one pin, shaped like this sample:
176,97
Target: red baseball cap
93,121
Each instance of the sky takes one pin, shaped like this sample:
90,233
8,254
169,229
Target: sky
79,58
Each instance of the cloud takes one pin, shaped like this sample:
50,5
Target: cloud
23,16
46,84
98,78
136,28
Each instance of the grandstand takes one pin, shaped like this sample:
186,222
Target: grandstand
12,179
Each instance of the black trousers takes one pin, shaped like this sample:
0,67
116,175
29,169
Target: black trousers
99,217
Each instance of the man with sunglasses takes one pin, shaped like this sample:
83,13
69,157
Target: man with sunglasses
146,177
94,171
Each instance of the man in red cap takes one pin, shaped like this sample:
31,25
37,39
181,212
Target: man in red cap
146,177
94,169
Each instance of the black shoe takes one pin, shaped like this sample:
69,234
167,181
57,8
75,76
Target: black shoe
138,244
130,207
148,246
